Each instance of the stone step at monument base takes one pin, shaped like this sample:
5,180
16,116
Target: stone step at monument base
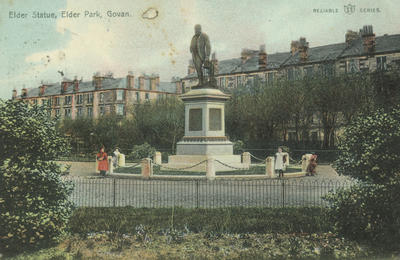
183,161
205,148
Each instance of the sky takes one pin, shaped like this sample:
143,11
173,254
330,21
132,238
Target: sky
156,35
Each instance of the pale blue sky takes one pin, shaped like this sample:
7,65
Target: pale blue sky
32,50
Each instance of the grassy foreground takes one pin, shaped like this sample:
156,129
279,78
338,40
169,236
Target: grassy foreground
231,233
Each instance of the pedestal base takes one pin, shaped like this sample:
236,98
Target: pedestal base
183,161
204,148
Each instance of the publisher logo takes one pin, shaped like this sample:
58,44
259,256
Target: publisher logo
349,9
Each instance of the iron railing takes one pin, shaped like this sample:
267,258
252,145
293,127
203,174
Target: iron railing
200,193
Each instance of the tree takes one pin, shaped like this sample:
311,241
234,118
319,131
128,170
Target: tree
34,205
369,148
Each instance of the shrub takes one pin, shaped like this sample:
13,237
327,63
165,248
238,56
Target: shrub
369,149
34,206
142,151
368,213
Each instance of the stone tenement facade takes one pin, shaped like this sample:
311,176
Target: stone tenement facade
361,51
103,95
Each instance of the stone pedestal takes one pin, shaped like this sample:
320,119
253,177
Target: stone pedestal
210,173
204,132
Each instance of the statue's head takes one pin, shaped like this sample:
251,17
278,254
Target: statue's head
197,29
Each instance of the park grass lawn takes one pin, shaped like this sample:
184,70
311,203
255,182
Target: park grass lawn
224,233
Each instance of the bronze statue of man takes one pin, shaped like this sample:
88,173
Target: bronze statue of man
200,48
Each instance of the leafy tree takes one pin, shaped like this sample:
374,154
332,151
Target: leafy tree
369,149
34,205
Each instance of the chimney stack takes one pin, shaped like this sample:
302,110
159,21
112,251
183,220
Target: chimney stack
130,80
96,81
154,82
351,36
294,47
262,58
303,49
65,84
14,94
368,38
141,82
24,92
42,88
76,84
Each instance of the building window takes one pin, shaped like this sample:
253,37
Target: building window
67,100
57,112
120,95
80,112
137,96
90,98
44,102
67,112
101,97
102,110
79,99
35,101
57,101
147,84
147,97
270,77
381,63
353,66
120,109
90,111
308,72
290,74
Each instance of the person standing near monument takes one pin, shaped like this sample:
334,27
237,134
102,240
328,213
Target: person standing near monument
279,163
102,158
200,48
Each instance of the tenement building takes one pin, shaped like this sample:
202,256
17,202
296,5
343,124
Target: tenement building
103,95
360,51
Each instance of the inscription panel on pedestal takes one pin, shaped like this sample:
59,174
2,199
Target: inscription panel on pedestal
195,119
215,123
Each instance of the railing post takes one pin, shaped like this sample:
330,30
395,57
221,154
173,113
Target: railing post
114,189
197,194
210,173
283,192
147,168
110,164
246,159
157,158
269,166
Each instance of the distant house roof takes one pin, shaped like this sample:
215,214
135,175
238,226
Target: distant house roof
330,52
87,86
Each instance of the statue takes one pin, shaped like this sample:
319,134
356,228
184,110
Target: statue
200,48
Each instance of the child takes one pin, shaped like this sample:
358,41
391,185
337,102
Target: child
103,162
279,164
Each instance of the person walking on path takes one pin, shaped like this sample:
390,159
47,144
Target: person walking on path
103,162
279,162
